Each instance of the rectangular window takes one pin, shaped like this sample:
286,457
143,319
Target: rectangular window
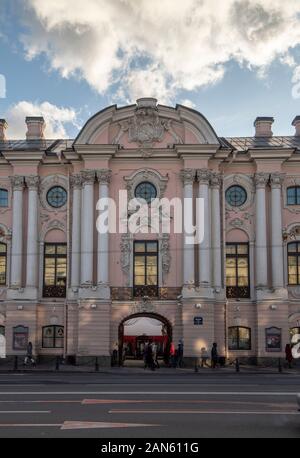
53,337
3,262
237,270
239,338
145,269
294,263
55,270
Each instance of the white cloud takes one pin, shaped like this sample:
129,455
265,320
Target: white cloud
156,47
55,118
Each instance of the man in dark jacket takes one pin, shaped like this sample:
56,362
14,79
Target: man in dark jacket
214,355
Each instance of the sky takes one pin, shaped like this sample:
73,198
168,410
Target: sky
231,60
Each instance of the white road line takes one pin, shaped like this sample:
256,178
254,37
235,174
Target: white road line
205,412
154,393
25,411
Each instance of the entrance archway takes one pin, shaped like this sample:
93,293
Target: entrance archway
140,328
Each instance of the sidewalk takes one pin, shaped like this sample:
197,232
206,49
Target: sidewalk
8,367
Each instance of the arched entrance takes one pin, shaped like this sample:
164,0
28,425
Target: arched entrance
138,329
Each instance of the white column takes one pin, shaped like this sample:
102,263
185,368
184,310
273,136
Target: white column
76,185
188,178
87,227
32,183
17,232
204,247
276,231
216,230
103,239
261,257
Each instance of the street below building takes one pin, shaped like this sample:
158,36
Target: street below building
152,405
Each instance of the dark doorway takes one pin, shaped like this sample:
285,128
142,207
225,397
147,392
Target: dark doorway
136,330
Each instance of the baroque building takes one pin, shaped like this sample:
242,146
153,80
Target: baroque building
69,289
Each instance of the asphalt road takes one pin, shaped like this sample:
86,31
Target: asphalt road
149,405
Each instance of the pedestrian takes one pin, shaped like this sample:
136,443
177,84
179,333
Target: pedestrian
172,355
29,356
155,354
115,354
289,355
149,358
214,355
204,357
180,354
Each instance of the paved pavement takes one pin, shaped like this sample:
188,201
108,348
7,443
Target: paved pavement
152,405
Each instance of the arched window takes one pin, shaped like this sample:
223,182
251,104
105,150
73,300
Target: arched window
53,336
55,270
3,263
20,337
239,338
294,263
3,198
293,195
145,270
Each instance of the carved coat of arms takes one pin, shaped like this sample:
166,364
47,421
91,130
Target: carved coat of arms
146,127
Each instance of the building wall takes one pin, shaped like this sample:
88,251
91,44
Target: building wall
119,157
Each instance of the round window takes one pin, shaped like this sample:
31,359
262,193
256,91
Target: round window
236,196
57,197
146,191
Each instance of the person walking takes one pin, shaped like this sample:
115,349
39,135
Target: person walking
154,354
214,355
149,358
289,355
204,357
180,354
115,354
172,355
29,356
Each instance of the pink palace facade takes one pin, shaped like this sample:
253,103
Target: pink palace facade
69,290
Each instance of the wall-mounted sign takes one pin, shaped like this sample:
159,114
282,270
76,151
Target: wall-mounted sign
198,320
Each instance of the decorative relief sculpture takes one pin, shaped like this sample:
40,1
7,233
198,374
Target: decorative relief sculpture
188,176
32,182
146,127
104,176
17,182
165,255
125,247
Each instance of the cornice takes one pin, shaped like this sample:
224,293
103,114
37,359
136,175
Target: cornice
23,156
271,154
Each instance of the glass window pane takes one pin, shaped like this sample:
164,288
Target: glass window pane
139,247
152,280
244,339
48,331
151,260
49,249
232,338
48,342
230,249
151,247
59,332
59,343
292,247
2,248
3,198
139,280
61,249
242,249
292,279
243,281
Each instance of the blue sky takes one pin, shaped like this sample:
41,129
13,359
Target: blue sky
67,65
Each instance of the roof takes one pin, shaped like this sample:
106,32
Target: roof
245,143
236,143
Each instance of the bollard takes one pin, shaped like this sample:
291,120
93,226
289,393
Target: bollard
237,365
279,365
57,363
96,364
15,363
